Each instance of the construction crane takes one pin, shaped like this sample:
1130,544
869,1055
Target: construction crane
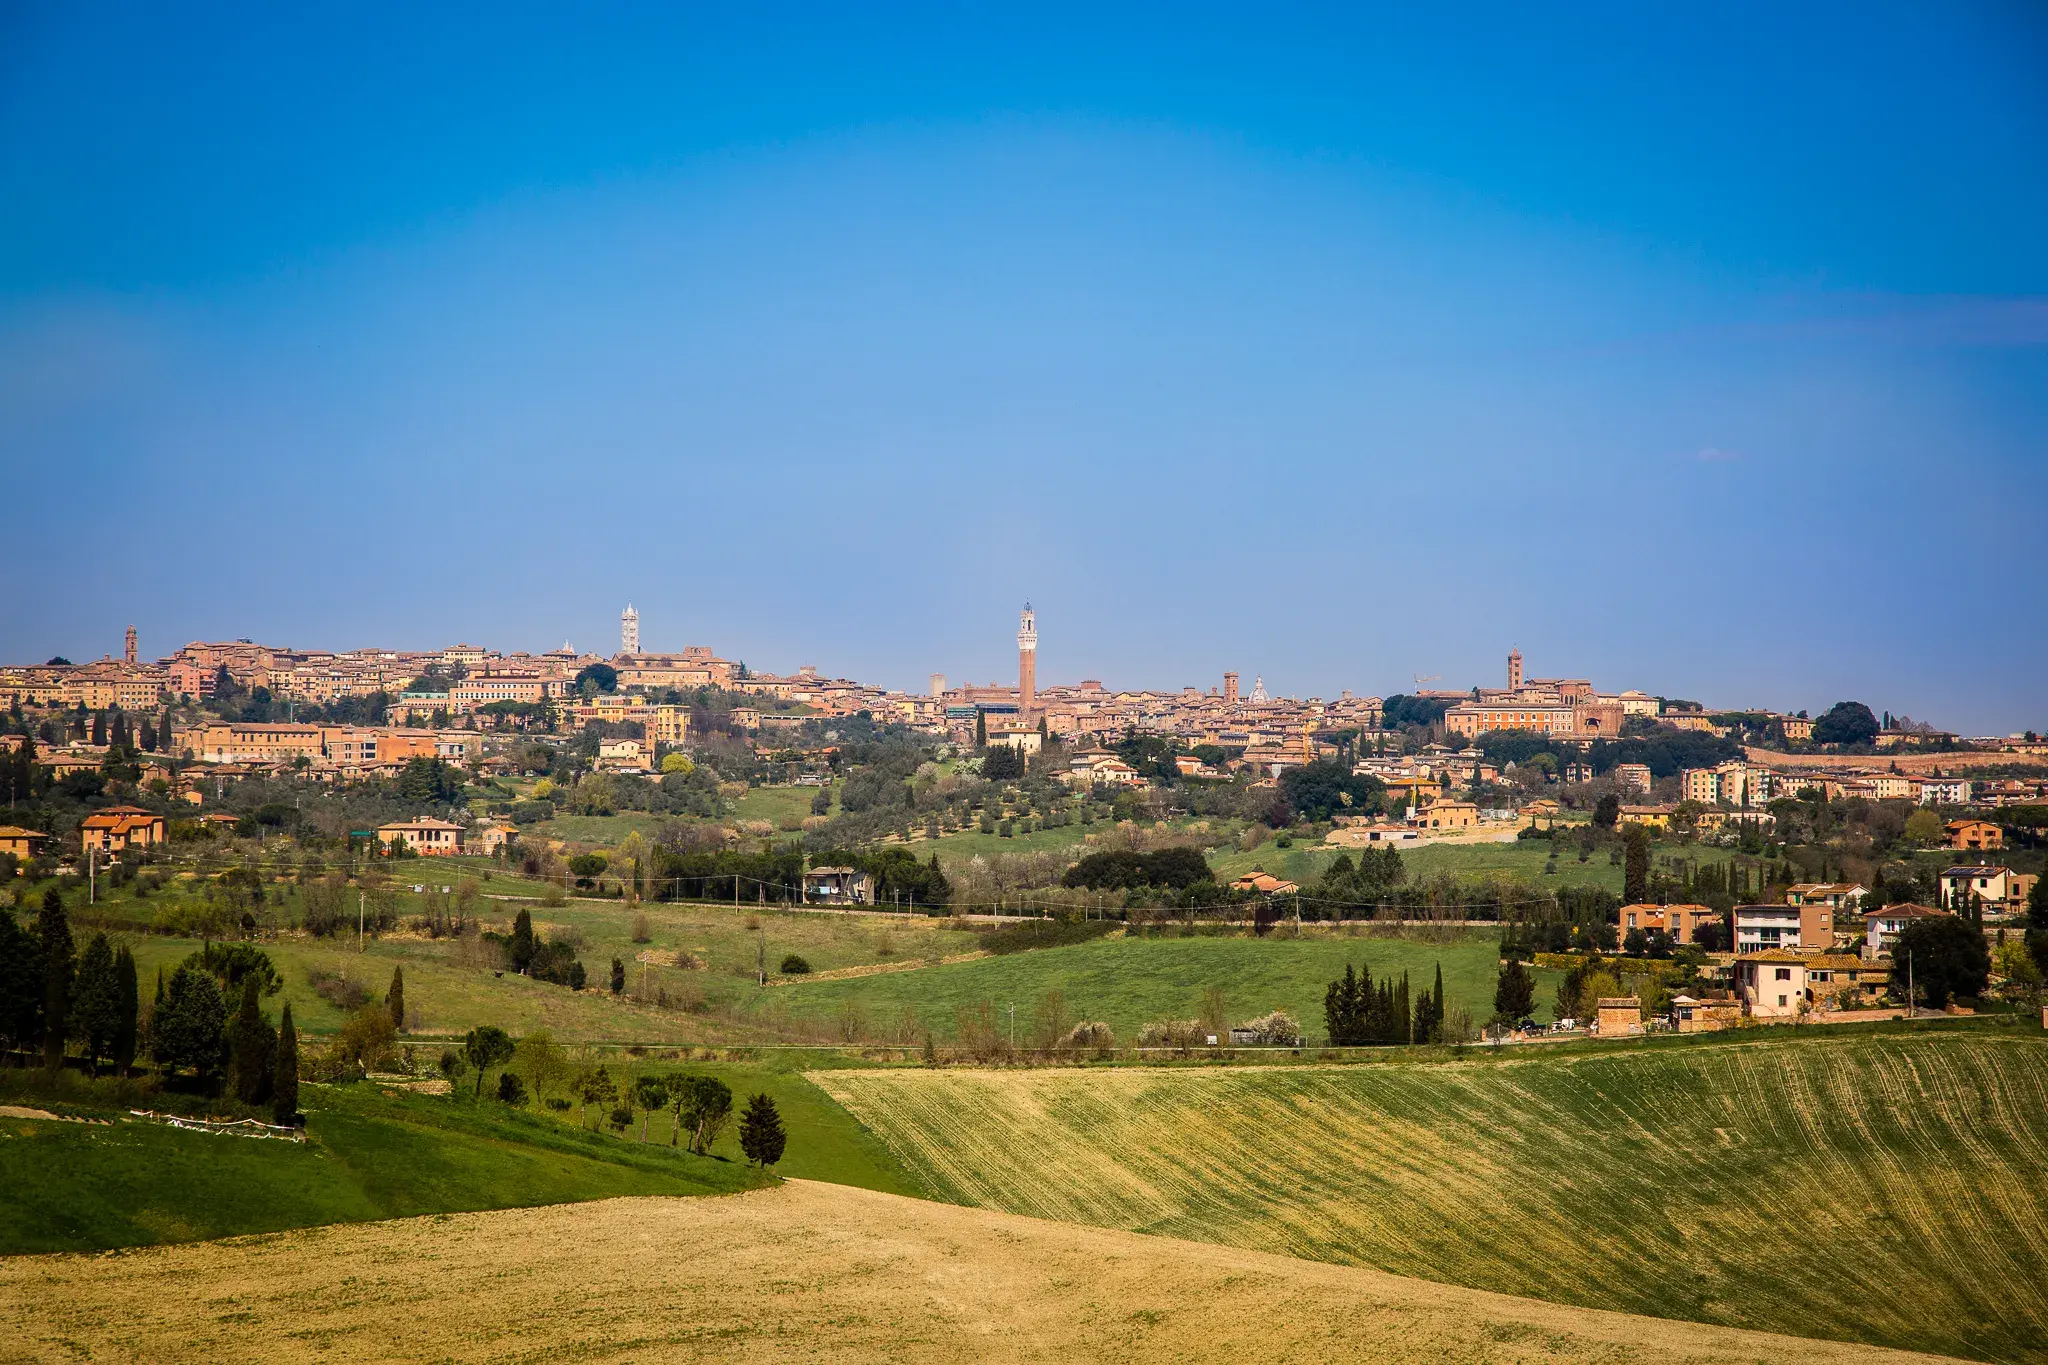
1421,678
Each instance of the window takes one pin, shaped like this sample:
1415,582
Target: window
1782,974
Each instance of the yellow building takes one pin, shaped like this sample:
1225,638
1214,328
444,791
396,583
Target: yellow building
1449,815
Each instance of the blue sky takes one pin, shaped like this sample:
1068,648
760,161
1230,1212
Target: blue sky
1700,349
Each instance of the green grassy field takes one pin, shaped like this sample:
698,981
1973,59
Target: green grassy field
825,1142
369,1155
1874,1185
1126,981
452,997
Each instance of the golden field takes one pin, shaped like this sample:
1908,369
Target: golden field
1890,1189
801,1272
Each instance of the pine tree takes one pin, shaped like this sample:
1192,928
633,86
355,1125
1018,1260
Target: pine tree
96,1004
1514,994
128,1003
284,1078
761,1136
394,999
53,934
1346,1006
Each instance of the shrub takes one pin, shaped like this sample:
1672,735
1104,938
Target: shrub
1179,1034
795,966
511,1090
365,1042
1094,1036
641,932
337,990
1278,1029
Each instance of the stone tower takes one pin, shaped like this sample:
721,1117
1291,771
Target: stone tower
1230,689
629,630
129,651
1514,670
1027,661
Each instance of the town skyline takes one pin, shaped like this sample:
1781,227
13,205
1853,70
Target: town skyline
1022,673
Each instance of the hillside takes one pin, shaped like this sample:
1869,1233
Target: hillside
1877,1187
812,1272
1127,981
369,1155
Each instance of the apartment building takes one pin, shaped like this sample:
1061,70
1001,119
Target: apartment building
121,827
427,837
1770,928
104,685
1994,886
241,742
1681,922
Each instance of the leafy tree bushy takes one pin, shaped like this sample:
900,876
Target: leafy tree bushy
1944,956
1346,886
1846,722
1117,870
1326,788
1402,710
188,1030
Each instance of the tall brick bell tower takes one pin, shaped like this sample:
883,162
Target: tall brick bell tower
1027,661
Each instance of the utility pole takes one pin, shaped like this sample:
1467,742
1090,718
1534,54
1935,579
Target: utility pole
1013,1024
1912,996
92,881
761,961
359,921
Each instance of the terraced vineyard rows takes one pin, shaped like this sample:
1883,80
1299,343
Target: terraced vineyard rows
1890,1189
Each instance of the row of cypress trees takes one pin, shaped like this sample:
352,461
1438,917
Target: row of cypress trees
52,997
1358,1013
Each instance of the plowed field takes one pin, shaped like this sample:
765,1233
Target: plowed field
804,1272
1887,1189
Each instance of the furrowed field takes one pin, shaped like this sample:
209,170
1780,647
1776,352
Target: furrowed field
802,1272
1886,1187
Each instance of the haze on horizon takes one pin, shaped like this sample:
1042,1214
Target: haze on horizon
1702,353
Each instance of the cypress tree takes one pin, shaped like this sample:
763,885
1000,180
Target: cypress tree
251,1048
128,1001
284,1080
1636,866
1403,1021
96,1007
522,942
618,977
394,999
53,934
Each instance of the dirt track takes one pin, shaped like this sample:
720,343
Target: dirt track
805,1272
